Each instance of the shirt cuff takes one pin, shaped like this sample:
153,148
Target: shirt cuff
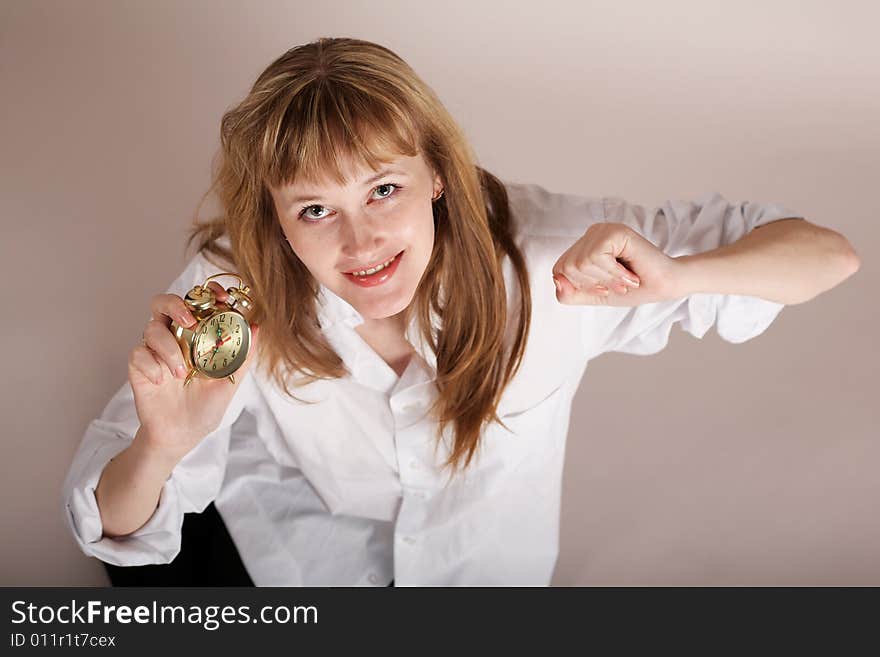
156,542
737,318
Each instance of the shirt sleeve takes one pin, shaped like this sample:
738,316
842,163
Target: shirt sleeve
193,484
683,228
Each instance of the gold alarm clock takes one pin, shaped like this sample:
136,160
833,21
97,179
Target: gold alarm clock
218,344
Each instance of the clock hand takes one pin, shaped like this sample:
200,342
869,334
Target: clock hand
217,346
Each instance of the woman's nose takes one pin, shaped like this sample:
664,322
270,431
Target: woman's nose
360,236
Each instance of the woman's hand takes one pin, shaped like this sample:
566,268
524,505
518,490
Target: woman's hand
613,265
174,419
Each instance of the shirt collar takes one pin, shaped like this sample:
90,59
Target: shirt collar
334,310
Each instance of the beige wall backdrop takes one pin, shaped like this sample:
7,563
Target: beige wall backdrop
709,463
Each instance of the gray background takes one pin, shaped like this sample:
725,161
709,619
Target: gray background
708,463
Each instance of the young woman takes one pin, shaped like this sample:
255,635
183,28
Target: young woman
406,424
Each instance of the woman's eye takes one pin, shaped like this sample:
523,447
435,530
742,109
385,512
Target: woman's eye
309,209
312,218
386,185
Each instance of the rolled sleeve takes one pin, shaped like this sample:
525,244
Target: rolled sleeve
156,542
193,484
688,227
684,228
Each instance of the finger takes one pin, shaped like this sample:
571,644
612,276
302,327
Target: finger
612,273
219,291
168,307
568,293
585,276
162,342
621,271
143,361
609,273
617,253
579,277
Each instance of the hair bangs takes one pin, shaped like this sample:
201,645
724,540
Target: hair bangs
325,131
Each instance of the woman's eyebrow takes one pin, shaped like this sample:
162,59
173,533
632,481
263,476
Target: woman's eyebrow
310,197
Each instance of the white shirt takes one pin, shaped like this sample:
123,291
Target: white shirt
347,491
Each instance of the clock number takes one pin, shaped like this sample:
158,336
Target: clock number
205,363
224,362
238,342
233,355
222,319
237,328
214,366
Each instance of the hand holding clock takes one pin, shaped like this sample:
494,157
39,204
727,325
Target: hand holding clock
174,418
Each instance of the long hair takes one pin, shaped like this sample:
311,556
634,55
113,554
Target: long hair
313,108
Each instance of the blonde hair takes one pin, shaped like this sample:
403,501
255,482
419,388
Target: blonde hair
340,98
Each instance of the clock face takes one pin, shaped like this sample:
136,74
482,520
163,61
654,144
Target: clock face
221,345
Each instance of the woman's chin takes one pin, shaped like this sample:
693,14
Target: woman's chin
377,310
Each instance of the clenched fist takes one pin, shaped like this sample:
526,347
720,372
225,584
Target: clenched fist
613,265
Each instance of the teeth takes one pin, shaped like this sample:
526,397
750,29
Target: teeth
373,270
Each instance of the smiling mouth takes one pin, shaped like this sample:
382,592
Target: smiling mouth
385,263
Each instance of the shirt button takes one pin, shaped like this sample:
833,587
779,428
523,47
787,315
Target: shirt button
414,464
420,494
409,540
374,578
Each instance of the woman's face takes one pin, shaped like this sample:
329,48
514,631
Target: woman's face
337,229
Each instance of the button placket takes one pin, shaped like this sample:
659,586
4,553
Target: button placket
406,414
